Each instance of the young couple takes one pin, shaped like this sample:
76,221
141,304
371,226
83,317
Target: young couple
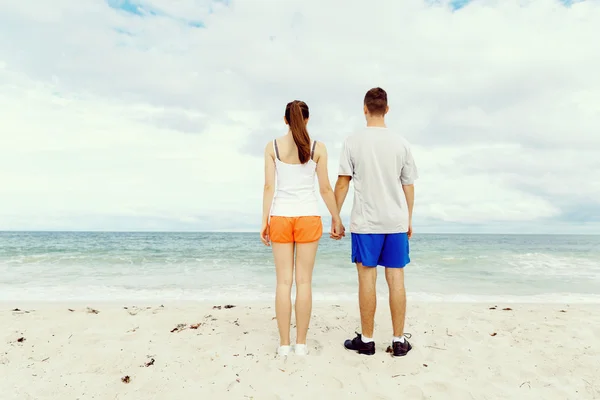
381,165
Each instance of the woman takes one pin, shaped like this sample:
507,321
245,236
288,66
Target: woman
291,219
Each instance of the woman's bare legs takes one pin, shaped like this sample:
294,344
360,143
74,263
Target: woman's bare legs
305,263
283,253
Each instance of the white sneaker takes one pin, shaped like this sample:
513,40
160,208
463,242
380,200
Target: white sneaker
301,349
283,351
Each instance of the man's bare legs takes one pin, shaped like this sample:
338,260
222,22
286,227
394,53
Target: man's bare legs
367,298
283,254
395,281
305,263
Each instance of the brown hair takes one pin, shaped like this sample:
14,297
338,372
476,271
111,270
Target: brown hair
296,114
376,101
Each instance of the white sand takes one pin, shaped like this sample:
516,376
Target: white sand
538,353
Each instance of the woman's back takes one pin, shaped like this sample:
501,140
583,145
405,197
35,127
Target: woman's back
295,191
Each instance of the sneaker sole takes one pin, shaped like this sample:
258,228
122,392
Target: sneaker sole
364,353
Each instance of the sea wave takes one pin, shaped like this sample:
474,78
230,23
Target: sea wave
95,293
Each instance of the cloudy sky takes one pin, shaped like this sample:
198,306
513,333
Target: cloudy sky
153,114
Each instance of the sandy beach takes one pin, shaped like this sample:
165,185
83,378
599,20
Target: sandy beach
461,351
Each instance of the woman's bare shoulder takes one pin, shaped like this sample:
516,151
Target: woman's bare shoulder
269,148
320,150
320,147
281,141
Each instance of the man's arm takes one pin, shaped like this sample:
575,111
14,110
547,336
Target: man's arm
407,178
409,193
341,190
345,173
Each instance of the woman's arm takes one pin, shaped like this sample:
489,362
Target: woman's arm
325,186
269,190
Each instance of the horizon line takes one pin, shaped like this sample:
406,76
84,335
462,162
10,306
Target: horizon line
256,232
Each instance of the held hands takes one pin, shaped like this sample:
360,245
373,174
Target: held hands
337,229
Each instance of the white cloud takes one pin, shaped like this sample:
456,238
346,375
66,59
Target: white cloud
107,115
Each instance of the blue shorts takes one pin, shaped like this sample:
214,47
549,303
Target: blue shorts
373,249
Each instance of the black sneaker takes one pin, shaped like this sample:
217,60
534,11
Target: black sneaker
359,346
400,349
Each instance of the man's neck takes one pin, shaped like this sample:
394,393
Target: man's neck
376,122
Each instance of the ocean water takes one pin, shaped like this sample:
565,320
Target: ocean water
155,267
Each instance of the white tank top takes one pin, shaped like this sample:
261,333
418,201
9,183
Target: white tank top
295,194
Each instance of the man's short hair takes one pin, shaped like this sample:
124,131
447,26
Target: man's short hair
376,101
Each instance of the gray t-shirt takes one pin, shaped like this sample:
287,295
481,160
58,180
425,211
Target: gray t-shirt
379,161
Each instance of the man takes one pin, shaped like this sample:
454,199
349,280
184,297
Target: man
381,165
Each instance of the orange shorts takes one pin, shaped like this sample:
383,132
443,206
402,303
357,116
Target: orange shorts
295,229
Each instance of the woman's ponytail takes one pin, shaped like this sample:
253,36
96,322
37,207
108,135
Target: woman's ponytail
296,114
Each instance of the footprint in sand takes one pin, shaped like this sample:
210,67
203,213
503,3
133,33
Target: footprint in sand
340,383
158,309
315,346
442,390
414,392
366,383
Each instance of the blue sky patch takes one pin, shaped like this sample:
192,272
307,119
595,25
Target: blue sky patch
456,5
133,7
123,32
